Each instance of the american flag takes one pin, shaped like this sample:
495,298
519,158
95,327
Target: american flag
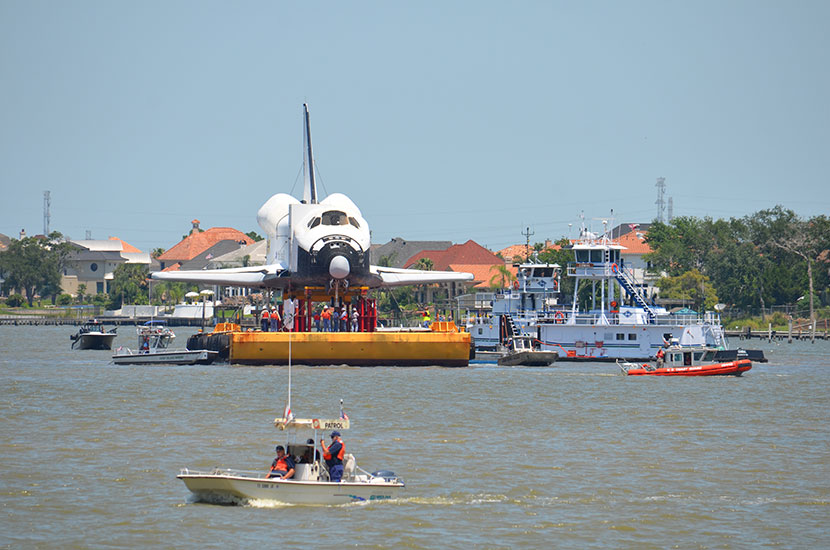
288,414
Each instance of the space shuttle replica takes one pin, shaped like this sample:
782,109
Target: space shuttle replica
311,242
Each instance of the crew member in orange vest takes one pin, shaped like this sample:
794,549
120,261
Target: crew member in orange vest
661,355
333,455
283,465
266,320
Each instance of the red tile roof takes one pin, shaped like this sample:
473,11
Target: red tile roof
482,273
634,242
469,253
520,250
126,247
199,241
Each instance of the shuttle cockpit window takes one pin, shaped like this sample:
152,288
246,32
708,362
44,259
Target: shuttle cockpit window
334,217
354,222
314,222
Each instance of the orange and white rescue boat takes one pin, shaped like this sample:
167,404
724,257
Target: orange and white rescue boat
685,361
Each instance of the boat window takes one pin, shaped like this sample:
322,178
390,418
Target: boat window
596,256
314,223
632,336
709,356
687,358
334,217
582,256
676,357
354,222
545,272
698,355
620,336
481,331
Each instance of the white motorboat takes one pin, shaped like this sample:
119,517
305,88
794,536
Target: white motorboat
154,337
93,335
310,484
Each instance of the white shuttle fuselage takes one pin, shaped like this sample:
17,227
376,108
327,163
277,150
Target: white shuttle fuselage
313,243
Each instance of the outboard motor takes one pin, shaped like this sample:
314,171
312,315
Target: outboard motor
387,475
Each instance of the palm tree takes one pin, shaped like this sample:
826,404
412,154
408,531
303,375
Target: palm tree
424,264
502,275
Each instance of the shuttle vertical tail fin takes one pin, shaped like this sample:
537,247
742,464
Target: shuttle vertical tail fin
310,189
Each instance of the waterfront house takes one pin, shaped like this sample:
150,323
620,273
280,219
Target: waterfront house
200,246
93,262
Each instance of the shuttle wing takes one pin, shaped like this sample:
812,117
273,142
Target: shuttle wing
254,276
392,276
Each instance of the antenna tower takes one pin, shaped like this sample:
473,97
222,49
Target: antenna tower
671,209
47,203
528,233
661,201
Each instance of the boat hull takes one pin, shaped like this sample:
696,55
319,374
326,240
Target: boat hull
91,340
731,368
449,349
184,357
528,359
230,489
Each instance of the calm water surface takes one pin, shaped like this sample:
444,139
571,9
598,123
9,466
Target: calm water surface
572,456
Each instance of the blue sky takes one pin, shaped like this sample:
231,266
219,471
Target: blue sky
441,120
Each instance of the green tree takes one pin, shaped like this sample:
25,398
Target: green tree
81,293
34,265
156,253
424,264
692,286
129,285
254,236
502,276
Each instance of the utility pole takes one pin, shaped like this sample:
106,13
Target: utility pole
528,233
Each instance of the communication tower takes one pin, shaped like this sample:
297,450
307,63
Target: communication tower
47,203
661,201
671,209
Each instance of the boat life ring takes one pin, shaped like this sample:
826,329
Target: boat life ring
615,307
315,423
515,285
558,317
614,268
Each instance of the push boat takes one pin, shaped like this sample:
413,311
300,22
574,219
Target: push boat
310,483
93,335
154,337
685,361
617,321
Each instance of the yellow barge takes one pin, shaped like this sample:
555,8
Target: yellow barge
443,345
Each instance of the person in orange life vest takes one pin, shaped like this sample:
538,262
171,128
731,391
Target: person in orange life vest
266,320
333,455
275,320
661,355
283,465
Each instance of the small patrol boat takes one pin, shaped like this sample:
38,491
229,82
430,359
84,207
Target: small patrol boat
521,352
154,337
93,335
685,361
310,483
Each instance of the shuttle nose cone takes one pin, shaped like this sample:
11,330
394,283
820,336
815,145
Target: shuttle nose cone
339,267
